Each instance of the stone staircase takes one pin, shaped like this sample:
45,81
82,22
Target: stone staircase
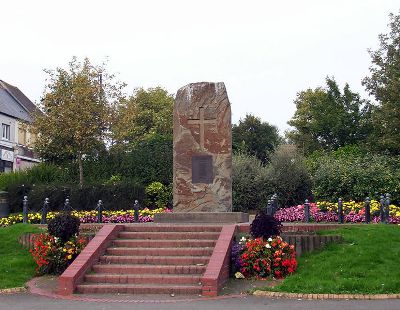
154,259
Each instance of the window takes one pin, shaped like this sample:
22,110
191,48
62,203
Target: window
6,131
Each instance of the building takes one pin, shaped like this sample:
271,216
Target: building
16,141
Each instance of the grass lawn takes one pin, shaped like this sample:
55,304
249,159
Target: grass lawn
16,263
367,262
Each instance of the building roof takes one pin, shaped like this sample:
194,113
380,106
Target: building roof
14,103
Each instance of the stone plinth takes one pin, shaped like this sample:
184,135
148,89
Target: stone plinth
202,149
202,217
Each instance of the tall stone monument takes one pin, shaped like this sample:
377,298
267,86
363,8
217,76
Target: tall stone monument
202,149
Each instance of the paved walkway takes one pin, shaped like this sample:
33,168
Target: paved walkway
26,301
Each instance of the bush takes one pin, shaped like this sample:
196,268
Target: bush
355,176
289,176
114,197
265,226
64,226
158,195
39,174
250,184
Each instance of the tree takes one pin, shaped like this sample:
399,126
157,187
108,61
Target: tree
384,85
327,119
76,105
145,113
255,137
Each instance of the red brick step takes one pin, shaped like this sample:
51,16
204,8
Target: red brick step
138,289
163,243
169,235
172,228
155,260
143,278
148,269
197,251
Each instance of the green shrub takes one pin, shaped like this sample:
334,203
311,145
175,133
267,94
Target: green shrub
41,173
288,175
64,226
157,195
114,197
250,186
355,176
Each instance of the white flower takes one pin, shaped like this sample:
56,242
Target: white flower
269,239
267,246
243,239
239,275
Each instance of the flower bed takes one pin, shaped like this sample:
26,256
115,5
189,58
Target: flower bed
262,259
354,212
53,256
127,216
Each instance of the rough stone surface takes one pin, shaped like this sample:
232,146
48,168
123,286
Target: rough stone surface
202,126
202,217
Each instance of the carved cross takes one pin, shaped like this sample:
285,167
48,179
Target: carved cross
201,121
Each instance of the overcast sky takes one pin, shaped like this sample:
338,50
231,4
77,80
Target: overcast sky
264,51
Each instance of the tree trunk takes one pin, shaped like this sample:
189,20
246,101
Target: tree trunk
80,170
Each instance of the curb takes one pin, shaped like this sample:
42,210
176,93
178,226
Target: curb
34,290
325,296
13,290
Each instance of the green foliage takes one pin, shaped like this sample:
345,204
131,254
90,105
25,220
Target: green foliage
42,173
250,184
149,161
157,195
114,197
352,175
76,112
384,84
64,226
16,264
254,137
114,180
146,113
288,176
327,119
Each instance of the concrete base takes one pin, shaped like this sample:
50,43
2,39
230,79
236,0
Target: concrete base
202,217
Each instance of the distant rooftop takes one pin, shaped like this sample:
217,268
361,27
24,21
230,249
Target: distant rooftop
14,103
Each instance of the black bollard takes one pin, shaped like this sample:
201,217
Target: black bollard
100,212
43,220
340,211
269,207
274,204
382,209
367,206
136,211
387,208
306,211
25,210
67,206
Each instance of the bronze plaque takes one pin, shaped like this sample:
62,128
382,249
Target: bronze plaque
202,169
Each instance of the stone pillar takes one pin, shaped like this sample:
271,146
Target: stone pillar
202,149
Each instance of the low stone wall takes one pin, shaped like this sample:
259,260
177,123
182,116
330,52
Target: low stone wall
309,242
26,239
302,235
